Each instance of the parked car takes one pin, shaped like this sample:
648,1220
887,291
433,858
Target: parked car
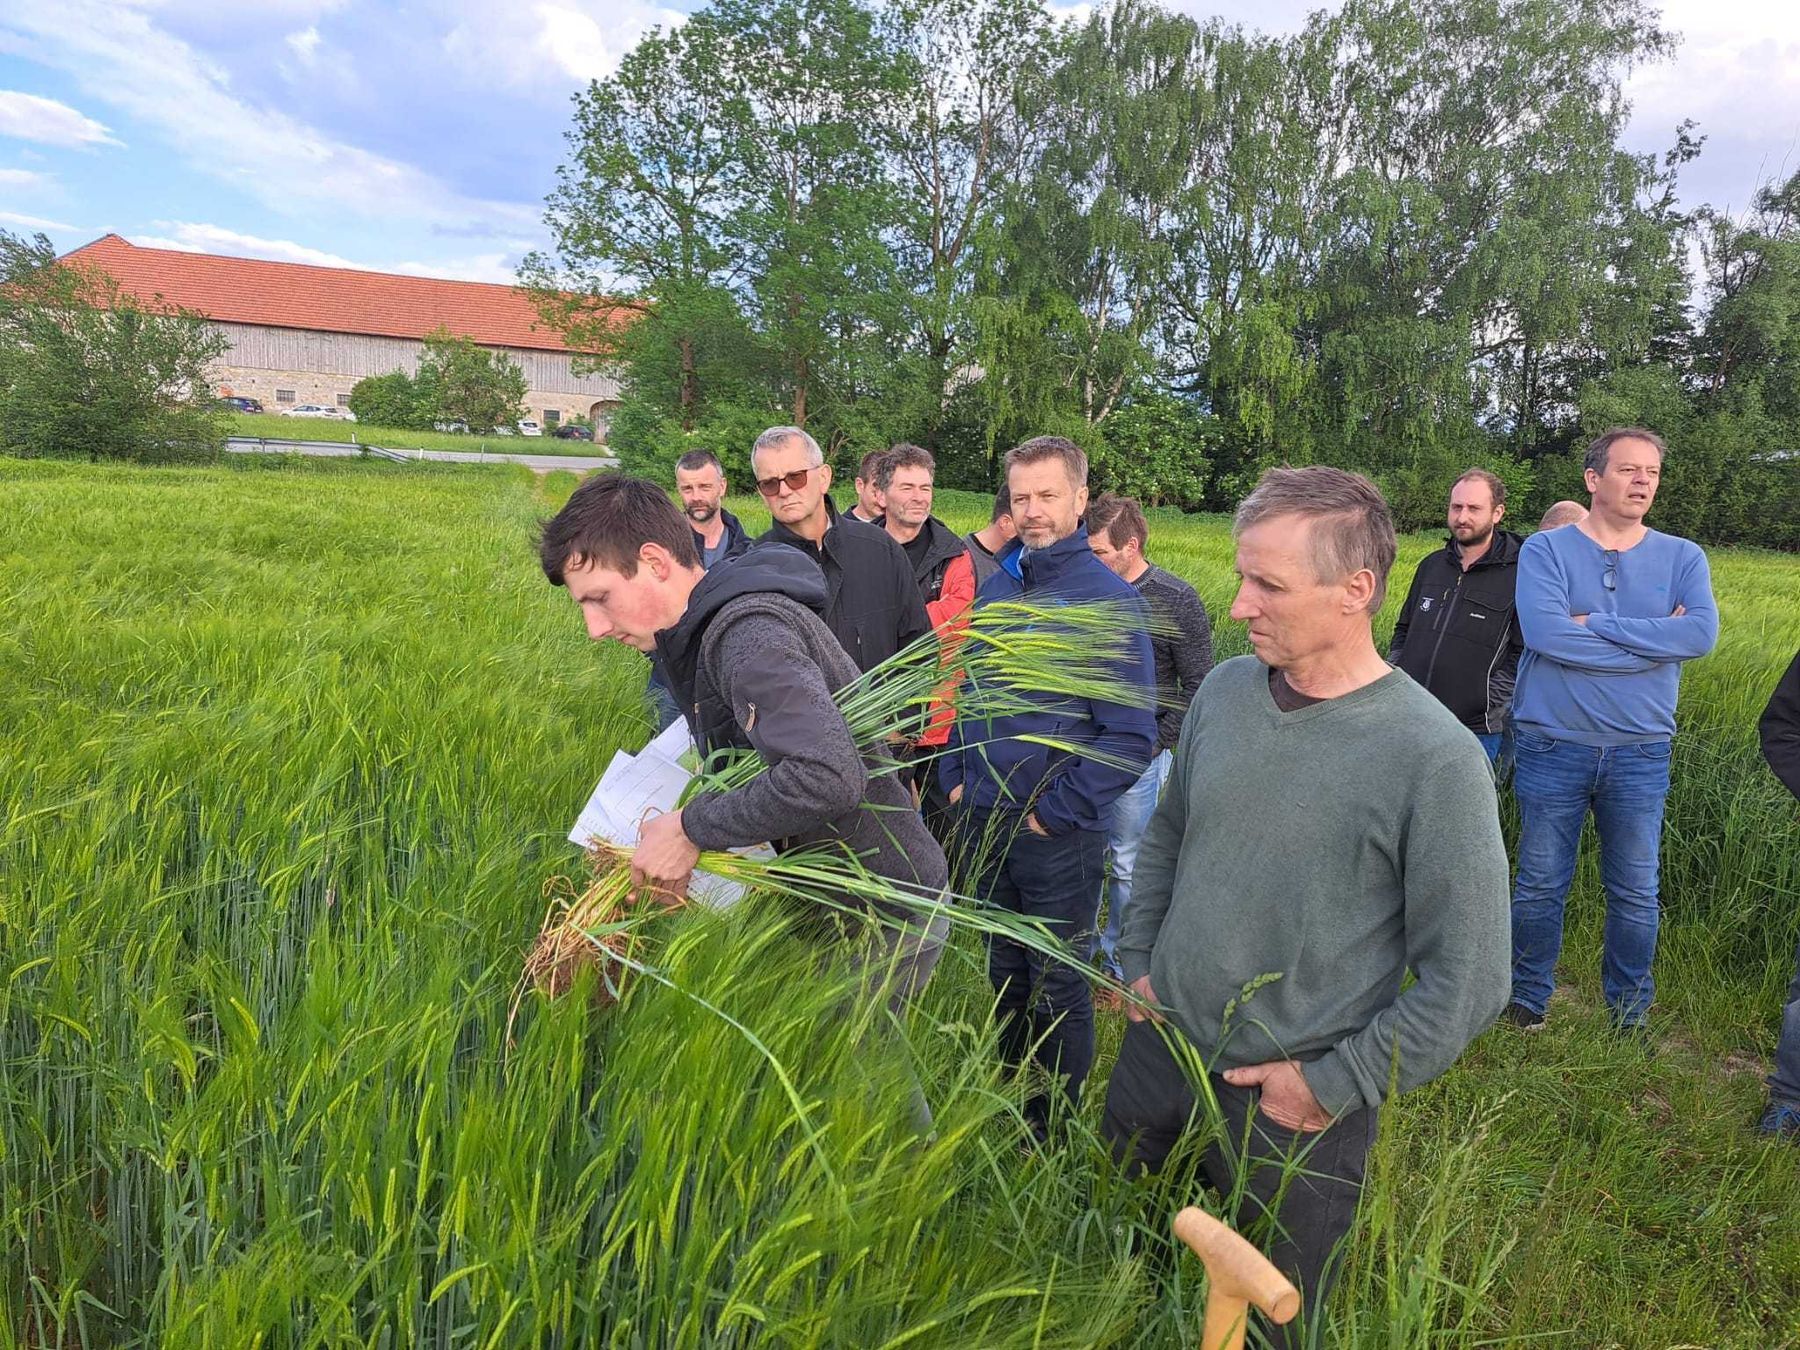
569,431
310,410
457,427
527,427
237,403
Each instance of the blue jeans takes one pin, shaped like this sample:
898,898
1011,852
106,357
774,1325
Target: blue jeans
1045,1006
1130,816
1557,783
1784,1077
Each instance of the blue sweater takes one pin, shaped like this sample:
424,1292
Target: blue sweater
997,768
1614,680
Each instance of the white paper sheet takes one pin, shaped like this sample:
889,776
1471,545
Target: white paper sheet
649,783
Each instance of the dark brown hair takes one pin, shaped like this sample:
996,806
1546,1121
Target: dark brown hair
695,460
1040,448
1002,503
1496,484
610,517
1119,518
870,468
903,456
1600,448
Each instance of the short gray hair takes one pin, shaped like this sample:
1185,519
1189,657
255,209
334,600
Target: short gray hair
774,436
1600,448
1352,526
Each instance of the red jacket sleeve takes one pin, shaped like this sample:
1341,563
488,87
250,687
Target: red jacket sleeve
956,594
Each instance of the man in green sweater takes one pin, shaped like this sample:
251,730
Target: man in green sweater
1328,826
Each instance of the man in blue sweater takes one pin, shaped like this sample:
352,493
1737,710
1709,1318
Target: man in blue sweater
1610,609
1038,813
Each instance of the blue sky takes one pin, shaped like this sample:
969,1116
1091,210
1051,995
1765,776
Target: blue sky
422,136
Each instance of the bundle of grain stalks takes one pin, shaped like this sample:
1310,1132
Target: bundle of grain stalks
1004,655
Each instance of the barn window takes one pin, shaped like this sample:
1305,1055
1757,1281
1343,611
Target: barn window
552,416
284,395
343,400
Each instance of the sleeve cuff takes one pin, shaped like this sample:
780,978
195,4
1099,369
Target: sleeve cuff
697,824
1333,1085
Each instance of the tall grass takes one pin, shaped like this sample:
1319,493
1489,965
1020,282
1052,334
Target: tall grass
288,758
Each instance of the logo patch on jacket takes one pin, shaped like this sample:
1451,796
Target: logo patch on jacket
1424,604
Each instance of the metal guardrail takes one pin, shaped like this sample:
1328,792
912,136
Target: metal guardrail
404,455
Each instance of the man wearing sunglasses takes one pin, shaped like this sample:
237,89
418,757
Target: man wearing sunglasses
1610,610
872,604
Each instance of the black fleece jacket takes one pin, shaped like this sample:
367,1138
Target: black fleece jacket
1458,632
1780,729
872,602
754,667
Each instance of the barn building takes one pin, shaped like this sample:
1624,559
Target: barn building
303,334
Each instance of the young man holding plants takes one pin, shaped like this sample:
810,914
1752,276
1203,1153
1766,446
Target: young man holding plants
1181,649
1328,827
1034,790
1610,609
754,667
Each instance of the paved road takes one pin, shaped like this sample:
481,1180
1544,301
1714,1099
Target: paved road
250,445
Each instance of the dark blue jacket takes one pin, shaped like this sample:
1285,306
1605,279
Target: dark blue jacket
997,769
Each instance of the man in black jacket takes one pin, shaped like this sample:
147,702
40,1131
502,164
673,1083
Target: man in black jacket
700,481
1458,634
872,602
753,667
718,537
1780,731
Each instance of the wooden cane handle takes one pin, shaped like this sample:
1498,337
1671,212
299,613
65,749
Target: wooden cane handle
1236,1273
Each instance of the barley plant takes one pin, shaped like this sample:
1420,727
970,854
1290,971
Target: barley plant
288,755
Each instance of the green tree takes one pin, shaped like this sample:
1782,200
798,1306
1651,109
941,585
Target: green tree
87,371
461,381
391,400
641,271
958,134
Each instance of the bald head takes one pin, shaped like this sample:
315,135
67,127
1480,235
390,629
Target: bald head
1563,513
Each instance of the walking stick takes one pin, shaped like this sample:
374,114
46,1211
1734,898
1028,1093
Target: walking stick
1237,1275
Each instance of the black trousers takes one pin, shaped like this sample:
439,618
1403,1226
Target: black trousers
1046,1007
1301,1190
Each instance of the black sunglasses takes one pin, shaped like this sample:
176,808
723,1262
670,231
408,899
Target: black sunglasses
771,487
1610,577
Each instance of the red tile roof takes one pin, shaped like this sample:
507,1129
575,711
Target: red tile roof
325,299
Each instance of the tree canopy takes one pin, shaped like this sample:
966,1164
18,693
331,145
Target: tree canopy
1405,239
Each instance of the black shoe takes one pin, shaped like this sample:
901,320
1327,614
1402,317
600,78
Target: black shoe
1520,1018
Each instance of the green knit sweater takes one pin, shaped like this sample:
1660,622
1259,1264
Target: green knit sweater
1318,856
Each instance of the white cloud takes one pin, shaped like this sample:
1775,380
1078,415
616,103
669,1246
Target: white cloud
32,118
1737,70
25,180
201,237
191,237
37,223
304,44
582,39
119,55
